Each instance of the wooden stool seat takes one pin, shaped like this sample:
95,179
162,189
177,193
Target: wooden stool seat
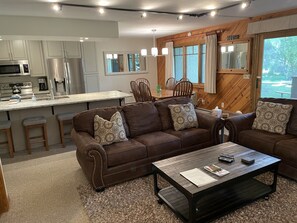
63,119
5,126
35,122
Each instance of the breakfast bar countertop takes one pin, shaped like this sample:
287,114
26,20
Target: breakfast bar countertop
69,99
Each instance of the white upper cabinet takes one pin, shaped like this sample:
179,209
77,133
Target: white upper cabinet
59,49
72,49
89,57
13,50
36,60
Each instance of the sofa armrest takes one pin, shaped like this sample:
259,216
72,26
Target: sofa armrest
236,124
212,123
91,157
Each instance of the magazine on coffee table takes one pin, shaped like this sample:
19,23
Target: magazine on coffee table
197,177
216,170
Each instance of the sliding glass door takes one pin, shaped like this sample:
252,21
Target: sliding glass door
279,67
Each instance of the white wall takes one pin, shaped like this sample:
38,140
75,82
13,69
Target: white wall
122,82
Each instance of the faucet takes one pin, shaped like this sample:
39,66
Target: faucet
16,97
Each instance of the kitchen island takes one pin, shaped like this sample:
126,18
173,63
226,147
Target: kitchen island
49,108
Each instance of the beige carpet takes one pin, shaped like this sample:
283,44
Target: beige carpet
45,190
134,201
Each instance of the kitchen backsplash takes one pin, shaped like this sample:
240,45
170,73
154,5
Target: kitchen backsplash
20,79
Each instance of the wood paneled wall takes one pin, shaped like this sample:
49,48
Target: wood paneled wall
232,89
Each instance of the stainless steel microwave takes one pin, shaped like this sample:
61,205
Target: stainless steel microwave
14,68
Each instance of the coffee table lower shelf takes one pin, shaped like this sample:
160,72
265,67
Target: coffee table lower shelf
216,203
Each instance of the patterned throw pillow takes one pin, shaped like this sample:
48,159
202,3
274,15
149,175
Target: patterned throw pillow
183,116
107,132
272,117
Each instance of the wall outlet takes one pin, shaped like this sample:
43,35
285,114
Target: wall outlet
222,105
246,76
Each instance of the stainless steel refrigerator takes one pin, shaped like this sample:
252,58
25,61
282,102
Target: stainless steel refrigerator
66,76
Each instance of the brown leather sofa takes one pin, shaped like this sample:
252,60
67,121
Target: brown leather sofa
282,146
149,128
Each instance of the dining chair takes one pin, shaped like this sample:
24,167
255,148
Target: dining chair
170,83
146,81
135,90
145,92
184,79
183,88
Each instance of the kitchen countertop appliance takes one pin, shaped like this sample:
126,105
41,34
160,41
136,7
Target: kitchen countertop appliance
14,68
24,89
66,76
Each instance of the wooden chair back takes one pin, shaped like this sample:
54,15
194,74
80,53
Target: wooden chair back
183,88
184,79
170,83
136,92
144,80
145,92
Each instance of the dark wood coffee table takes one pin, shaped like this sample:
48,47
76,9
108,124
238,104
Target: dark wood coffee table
201,204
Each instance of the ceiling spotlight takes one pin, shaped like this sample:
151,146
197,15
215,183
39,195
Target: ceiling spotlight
143,15
245,4
57,7
213,13
180,17
86,38
81,40
101,10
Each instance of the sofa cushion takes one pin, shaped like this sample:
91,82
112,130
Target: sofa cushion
292,124
84,121
183,116
107,132
159,143
124,152
287,151
272,117
142,118
164,111
261,141
191,137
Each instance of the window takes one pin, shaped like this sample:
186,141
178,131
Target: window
279,67
189,62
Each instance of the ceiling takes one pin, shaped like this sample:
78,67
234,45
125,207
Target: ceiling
131,23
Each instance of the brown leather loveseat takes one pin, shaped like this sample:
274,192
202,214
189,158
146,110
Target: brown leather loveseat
282,146
151,137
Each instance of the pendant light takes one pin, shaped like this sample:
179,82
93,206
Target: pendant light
154,50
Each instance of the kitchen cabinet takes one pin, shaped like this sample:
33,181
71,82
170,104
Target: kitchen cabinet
60,49
91,83
89,56
13,50
36,61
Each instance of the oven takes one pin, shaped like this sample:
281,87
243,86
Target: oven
14,68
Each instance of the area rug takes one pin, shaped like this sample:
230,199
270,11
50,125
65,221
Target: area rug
134,201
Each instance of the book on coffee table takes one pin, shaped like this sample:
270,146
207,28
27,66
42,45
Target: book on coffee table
216,170
197,177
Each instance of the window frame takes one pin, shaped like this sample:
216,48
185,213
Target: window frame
184,56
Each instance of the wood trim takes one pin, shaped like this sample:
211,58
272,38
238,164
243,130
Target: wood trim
274,15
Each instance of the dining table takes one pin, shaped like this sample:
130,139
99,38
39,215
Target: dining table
164,93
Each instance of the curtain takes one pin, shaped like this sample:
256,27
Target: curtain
211,64
169,61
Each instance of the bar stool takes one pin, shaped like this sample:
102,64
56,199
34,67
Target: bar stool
64,119
35,122
5,126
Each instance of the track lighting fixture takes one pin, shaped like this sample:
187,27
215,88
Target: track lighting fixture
57,7
101,10
245,4
213,13
143,15
180,17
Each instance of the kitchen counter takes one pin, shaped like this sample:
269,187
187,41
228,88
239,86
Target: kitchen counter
70,99
17,112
